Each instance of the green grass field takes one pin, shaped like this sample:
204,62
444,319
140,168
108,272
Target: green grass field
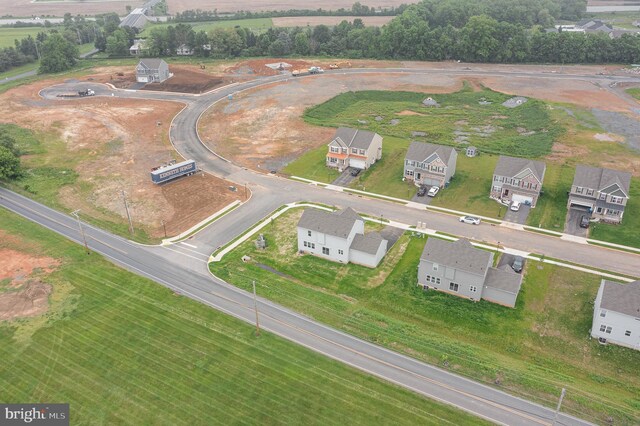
635,92
122,349
8,34
533,350
257,25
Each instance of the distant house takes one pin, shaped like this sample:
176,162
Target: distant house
517,179
460,269
594,25
152,71
429,164
136,19
603,192
138,47
184,50
616,314
354,148
339,236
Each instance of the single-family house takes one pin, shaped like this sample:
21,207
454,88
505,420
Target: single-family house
616,314
594,25
354,148
430,164
151,70
602,192
458,268
339,236
517,179
184,50
137,18
138,47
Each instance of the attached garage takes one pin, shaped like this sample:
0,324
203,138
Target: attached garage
583,205
522,198
431,181
143,78
357,163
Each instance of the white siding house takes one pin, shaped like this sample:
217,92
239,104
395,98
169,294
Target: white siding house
339,236
616,314
354,148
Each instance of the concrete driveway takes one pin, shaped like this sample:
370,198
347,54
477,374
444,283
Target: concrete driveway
507,260
572,224
425,199
517,217
345,178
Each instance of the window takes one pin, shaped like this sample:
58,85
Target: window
473,288
435,266
608,330
354,150
453,286
603,196
590,192
325,250
433,279
344,150
333,160
579,190
603,313
599,210
335,149
340,252
603,327
362,152
409,172
304,243
437,280
616,200
309,245
627,333
309,233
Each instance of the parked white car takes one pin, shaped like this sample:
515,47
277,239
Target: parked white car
433,191
515,206
470,219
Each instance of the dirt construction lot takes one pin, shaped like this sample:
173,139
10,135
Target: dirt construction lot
112,144
262,129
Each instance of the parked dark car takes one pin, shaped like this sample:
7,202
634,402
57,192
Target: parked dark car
584,221
355,172
517,264
421,191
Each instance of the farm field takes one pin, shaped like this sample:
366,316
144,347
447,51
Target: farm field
8,35
541,345
117,346
304,21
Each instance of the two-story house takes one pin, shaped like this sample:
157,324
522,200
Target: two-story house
151,70
354,148
460,269
604,192
339,236
616,314
517,179
430,164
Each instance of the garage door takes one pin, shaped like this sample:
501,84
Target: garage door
431,181
143,79
523,199
358,164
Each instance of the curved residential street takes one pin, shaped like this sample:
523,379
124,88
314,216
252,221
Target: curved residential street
185,269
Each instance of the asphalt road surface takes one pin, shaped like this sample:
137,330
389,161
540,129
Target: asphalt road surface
183,268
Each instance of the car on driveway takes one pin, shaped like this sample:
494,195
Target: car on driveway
470,219
584,221
433,191
515,206
421,191
355,172
518,263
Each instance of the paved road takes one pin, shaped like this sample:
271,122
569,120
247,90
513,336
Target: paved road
184,268
197,284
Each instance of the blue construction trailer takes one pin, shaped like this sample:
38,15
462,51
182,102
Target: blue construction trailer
166,173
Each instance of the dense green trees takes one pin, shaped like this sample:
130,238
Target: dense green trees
58,54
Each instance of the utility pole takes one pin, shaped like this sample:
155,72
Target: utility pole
164,226
126,207
84,238
255,306
562,394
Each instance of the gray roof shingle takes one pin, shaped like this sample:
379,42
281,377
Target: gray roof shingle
134,20
503,279
338,224
420,151
599,178
511,166
353,138
457,254
369,243
151,63
623,298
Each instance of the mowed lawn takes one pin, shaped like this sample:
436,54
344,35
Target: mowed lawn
635,92
257,24
533,350
124,350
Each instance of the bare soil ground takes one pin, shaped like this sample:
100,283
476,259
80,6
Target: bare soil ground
21,8
24,295
115,142
303,21
262,129
253,5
